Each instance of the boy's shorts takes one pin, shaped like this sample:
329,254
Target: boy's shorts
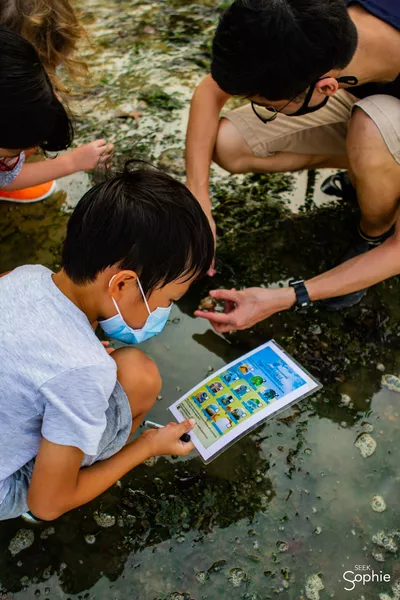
323,132
115,436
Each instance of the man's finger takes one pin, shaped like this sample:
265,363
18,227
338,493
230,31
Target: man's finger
214,317
231,295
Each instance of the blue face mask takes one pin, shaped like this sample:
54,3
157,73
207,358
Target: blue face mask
116,327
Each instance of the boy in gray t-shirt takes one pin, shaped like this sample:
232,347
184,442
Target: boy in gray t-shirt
134,245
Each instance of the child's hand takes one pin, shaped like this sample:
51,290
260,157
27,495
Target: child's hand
166,440
91,155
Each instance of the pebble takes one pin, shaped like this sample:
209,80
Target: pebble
217,566
391,382
367,427
385,540
366,445
47,533
318,530
313,587
202,577
345,400
282,546
380,367
238,576
90,539
378,504
23,539
104,519
378,556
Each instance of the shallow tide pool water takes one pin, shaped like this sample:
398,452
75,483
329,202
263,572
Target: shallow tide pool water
299,508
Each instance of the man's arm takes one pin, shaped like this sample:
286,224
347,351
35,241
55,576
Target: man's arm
247,307
59,485
207,103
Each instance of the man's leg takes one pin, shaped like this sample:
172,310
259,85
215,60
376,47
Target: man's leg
140,379
245,144
373,148
233,154
375,173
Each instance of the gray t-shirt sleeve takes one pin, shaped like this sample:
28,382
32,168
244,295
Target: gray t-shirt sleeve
74,406
7,177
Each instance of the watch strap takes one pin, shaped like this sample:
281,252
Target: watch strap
302,297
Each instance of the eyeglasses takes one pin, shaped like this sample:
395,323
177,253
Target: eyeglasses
266,114
8,164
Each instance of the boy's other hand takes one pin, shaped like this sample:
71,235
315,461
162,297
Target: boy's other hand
91,155
166,439
108,348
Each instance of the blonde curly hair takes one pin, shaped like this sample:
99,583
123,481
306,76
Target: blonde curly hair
53,28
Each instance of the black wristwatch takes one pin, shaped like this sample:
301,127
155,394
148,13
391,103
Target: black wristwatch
302,297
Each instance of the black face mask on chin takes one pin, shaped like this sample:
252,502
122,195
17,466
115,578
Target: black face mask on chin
305,109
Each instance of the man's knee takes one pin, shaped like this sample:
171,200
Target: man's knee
138,374
366,148
231,151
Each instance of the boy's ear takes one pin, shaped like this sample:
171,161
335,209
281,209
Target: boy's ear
121,282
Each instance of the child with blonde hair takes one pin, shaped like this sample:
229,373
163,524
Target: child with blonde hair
53,28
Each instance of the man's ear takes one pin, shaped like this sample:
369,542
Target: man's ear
120,282
328,86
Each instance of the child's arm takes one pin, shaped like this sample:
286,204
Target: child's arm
59,485
80,159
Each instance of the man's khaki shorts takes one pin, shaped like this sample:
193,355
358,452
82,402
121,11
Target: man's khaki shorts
322,132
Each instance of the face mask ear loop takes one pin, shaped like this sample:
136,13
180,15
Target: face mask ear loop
113,299
144,297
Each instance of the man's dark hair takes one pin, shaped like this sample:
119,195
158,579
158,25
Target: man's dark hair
30,112
141,220
278,48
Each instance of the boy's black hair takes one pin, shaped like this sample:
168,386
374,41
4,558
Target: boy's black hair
30,113
277,48
141,220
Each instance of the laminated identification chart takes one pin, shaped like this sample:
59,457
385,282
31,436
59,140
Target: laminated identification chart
242,395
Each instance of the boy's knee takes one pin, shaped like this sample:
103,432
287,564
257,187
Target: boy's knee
136,371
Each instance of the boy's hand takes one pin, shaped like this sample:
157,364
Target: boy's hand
91,155
166,440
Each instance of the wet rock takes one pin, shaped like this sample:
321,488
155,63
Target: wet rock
391,382
318,530
104,519
380,367
378,504
378,556
367,427
47,533
90,539
313,587
23,539
366,445
282,546
237,577
202,577
386,540
345,400
217,566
